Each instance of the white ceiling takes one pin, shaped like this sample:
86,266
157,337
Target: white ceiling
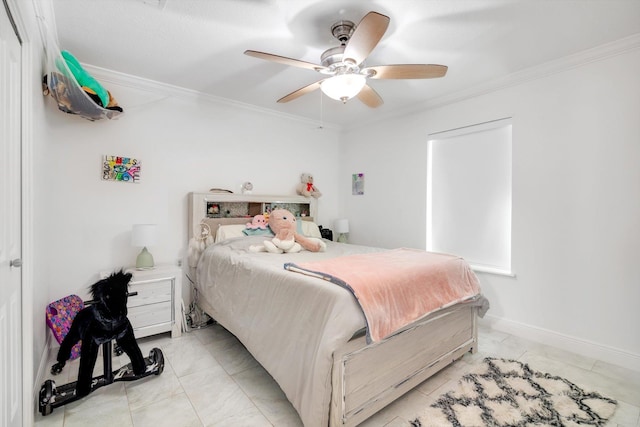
199,44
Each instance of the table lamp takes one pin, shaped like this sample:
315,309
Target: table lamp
342,228
144,235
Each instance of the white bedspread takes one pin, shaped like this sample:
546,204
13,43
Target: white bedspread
264,306
291,323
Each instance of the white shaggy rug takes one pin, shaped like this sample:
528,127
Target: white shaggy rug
508,393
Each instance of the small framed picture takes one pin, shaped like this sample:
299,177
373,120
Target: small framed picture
357,184
213,209
121,169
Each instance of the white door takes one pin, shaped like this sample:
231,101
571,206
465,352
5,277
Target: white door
10,228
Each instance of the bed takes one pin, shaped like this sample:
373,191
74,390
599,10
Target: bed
311,335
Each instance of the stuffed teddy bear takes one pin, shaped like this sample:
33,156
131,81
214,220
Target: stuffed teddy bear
287,240
258,221
306,187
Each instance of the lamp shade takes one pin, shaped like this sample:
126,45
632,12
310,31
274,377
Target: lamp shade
143,235
342,226
343,87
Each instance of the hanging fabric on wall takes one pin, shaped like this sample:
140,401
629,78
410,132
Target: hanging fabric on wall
74,89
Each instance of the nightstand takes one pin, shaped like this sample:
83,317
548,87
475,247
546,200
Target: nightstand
157,307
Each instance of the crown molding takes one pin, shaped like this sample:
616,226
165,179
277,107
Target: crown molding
546,69
585,57
164,90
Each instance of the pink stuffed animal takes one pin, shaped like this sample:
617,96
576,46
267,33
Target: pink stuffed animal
258,221
286,240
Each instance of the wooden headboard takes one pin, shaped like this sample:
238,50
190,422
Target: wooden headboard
217,209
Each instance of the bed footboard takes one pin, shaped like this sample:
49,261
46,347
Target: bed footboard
366,378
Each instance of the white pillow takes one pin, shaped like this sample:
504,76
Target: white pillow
310,229
229,231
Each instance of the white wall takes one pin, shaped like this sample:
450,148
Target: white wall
186,143
576,186
576,203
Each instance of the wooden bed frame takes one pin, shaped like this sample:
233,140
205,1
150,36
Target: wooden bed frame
399,362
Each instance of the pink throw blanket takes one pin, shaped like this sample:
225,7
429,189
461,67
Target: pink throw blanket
397,287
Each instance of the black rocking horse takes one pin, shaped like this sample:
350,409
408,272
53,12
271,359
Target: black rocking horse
102,321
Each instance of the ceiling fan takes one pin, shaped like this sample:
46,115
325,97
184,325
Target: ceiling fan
343,65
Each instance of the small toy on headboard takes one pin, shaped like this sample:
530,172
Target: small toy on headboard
306,187
220,190
258,221
198,243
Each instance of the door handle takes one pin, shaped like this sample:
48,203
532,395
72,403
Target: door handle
15,262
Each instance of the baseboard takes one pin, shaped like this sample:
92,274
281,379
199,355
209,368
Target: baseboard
42,367
575,345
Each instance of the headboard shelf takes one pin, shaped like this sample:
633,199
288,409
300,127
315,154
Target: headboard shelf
236,208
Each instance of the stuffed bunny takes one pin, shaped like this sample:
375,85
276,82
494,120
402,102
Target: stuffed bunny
287,240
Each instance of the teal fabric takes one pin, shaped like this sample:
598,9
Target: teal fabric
258,232
84,78
268,232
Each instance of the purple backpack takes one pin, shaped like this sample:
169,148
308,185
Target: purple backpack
60,315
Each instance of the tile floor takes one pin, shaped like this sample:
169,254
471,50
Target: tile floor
210,379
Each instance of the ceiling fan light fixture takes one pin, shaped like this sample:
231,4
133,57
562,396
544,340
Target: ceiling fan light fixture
343,87
343,66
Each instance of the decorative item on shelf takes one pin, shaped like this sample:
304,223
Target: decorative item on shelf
342,229
306,187
213,210
143,235
246,187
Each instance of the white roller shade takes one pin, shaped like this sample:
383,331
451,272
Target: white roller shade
469,194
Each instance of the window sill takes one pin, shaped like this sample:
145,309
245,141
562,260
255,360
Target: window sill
490,270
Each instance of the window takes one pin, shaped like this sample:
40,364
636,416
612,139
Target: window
469,195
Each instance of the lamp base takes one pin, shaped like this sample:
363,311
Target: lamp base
144,261
342,238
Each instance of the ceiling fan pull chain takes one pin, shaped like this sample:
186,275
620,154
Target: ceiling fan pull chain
321,112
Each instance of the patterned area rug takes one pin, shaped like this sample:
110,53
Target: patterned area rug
508,393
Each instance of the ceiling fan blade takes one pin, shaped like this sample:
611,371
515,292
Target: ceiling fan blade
302,91
284,60
406,71
370,97
365,37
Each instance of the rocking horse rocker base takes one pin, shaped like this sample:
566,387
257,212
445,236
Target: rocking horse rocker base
52,396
